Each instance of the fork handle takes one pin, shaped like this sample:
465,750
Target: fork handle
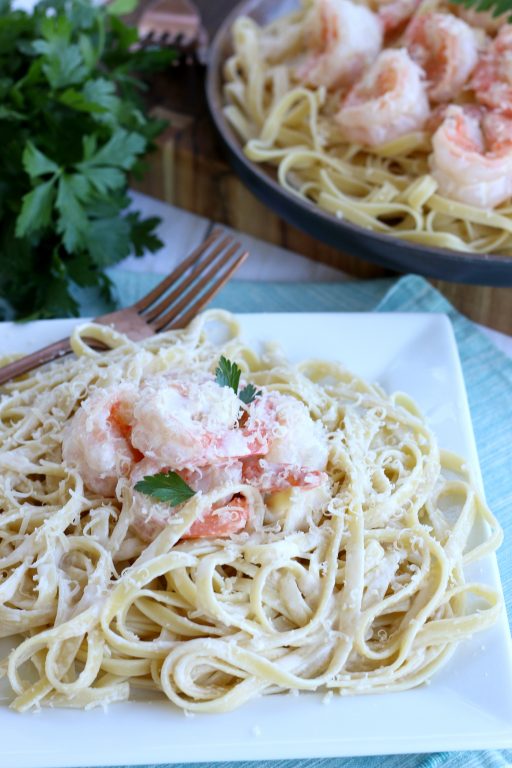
28,363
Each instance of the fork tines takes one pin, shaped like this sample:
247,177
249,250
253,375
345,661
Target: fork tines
174,23
178,298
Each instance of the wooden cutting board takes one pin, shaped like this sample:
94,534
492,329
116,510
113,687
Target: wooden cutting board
189,170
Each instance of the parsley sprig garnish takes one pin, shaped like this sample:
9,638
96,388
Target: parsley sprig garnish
249,393
227,374
166,486
72,127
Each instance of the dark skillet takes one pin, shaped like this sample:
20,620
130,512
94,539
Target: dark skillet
386,250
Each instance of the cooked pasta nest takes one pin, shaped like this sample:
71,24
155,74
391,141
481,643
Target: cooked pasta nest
356,588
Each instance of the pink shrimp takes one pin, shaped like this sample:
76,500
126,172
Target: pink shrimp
388,102
446,49
231,514
97,440
227,516
223,520
294,456
393,14
120,417
492,79
472,157
191,422
344,39
190,425
182,424
292,436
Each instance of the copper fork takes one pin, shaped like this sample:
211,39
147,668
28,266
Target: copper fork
174,23
192,284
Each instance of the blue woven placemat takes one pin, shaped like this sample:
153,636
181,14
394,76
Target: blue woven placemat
488,377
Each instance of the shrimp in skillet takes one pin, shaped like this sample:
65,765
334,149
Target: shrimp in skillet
472,157
492,79
389,101
445,47
344,38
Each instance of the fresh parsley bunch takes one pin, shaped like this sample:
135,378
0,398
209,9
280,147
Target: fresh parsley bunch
71,129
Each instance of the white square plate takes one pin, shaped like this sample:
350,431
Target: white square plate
468,704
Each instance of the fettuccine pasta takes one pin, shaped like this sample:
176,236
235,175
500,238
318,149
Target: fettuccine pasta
288,118
347,577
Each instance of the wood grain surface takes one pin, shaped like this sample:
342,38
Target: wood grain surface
189,170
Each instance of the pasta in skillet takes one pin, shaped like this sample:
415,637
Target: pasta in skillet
319,541
395,116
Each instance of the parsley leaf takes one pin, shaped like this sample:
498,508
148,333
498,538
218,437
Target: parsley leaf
227,374
97,97
81,271
36,163
105,236
166,486
72,222
495,7
249,393
36,209
104,180
120,7
63,60
121,150
142,234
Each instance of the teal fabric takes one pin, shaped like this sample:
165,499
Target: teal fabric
488,377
